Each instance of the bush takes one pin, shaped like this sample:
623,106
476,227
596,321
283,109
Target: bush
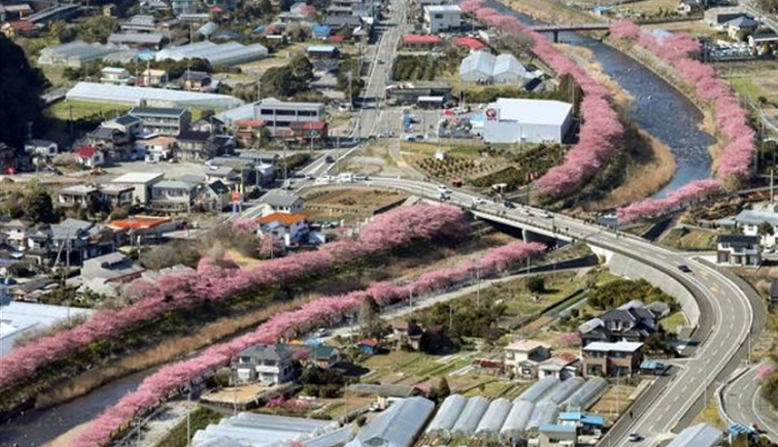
536,284
622,291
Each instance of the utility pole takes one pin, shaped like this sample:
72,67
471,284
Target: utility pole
478,277
259,89
188,418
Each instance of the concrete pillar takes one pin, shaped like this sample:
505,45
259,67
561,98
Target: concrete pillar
556,36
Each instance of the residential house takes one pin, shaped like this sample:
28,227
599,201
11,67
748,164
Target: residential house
425,3
182,7
127,124
70,241
89,156
210,124
552,435
141,182
630,322
738,250
288,228
310,131
718,17
320,32
407,334
689,7
248,131
410,93
77,195
323,52
281,202
244,166
562,366
762,42
15,12
224,174
18,28
213,197
31,291
195,146
162,121
142,228
156,149
523,357
111,267
417,42
279,116
440,18
325,356
41,148
195,81
741,27
116,195
114,143
115,75
270,364
153,78
140,23
338,22
173,195
368,347
621,358
16,233
586,423
749,222
471,43
385,394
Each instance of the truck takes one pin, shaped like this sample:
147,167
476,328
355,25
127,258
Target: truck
346,177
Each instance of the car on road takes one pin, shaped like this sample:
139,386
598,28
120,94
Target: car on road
479,201
684,268
635,437
329,159
545,214
308,177
509,204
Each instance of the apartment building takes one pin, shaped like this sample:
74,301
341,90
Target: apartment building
162,121
281,117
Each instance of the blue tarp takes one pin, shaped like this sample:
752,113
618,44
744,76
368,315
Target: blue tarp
321,31
739,429
259,30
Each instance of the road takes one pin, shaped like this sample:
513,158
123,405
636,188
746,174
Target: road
768,20
729,309
743,404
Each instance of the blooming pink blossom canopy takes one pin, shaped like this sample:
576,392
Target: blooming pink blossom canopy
328,310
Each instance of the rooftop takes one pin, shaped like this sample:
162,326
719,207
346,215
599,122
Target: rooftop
138,177
156,111
415,38
555,428
443,8
78,190
469,42
174,184
700,435
532,111
322,48
279,198
526,345
85,151
737,239
140,222
23,318
283,218
619,346
134,96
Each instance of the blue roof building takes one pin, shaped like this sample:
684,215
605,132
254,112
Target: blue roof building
581,419
321,31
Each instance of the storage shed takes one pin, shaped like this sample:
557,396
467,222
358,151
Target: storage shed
447,415
493,419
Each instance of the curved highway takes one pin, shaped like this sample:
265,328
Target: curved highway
729,320
743,404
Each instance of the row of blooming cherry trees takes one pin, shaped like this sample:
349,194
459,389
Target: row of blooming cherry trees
600,132
218,280
323,311
731,119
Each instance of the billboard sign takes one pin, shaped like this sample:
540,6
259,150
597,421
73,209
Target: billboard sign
492,114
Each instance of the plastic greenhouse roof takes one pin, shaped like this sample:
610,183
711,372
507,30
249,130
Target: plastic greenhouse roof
700,435
495,415
517,419
507,63
399,425
471,416
585,395
564,390
448,413
120,94
544,413
538,389
479,61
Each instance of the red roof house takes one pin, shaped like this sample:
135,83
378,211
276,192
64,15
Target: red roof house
418,41
89,156
469,42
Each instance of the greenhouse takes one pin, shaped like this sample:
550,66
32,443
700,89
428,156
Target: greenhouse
470,417
538,389
564,390
493,418
396,427
586,395
447,415
517,419
149,97
544,413
262,430
230,53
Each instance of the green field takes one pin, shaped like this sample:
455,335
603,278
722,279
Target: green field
66,110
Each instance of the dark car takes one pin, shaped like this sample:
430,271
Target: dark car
684,268
509,204
329,159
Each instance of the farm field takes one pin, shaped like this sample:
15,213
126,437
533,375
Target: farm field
65,110
336,204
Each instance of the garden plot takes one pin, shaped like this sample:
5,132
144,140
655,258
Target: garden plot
336,203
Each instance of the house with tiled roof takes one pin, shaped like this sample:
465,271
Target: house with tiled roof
289,228
89,156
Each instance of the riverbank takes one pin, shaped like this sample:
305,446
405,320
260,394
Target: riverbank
651,165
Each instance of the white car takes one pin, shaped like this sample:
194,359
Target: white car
635,437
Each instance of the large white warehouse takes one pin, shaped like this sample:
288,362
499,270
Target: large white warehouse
527,121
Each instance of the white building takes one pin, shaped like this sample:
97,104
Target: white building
43,148
749,222
264,363
482,66
142,182
438,18
522,357
19,319
527,121
738,250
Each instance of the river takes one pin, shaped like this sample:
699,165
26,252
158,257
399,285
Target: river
657,107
